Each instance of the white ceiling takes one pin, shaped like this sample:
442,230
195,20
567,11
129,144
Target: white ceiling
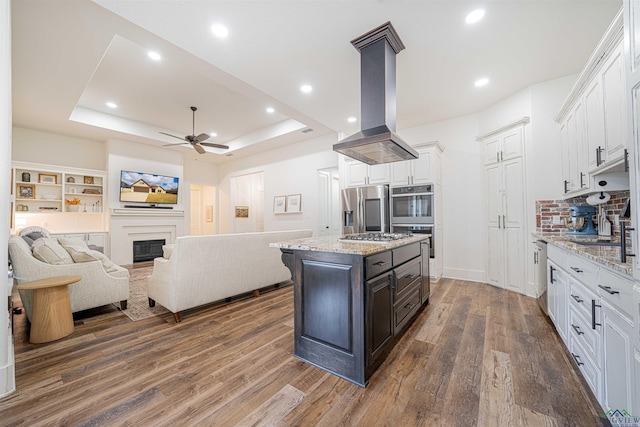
70,57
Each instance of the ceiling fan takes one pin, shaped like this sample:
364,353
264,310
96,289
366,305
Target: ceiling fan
196,141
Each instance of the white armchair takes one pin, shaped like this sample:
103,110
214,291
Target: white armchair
97,287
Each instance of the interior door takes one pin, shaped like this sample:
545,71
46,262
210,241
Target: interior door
196,210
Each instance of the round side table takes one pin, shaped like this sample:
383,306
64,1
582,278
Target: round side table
51,317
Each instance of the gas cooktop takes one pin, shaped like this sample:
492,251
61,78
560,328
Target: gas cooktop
380,238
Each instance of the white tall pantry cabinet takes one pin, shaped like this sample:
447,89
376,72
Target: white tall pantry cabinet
505,202
632,89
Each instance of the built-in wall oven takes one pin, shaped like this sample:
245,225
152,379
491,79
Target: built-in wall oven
412,204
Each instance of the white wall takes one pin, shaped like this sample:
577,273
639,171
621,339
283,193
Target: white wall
34,146
287,170
463,233
7,360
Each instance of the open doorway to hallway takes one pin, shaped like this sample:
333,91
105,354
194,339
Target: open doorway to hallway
203,210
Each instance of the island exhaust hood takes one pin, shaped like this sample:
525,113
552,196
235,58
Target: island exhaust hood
377,142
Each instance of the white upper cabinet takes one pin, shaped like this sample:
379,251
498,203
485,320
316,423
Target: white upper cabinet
356,174
615,110
505,146
423,170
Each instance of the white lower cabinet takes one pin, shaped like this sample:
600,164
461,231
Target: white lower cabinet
618,360
591,307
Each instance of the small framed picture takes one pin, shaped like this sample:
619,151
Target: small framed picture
294,203
26,191
242,211
47,178
279,204
88,180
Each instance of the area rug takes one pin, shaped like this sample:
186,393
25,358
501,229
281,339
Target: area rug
138,303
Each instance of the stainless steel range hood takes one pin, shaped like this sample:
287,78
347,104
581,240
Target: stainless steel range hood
377,142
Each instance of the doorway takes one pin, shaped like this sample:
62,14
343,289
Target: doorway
202,210
328,202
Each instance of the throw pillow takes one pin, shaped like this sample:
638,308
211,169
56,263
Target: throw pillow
84,254
71,241
167,250
47,249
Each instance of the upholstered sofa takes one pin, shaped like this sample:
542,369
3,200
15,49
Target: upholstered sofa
199,270
102,281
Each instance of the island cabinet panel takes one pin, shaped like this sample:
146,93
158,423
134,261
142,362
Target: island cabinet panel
326,304
329,313
379,318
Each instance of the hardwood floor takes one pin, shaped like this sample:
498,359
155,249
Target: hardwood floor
477,355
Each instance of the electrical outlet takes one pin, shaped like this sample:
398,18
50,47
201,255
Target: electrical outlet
556,220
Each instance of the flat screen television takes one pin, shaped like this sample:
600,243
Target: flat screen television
139,187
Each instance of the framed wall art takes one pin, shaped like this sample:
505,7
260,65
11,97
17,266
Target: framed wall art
47,178
279,204
26,191
294,202
88,180
242,211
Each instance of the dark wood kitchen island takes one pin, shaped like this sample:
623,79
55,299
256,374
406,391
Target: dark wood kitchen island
353,300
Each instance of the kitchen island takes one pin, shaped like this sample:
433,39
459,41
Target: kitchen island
352,300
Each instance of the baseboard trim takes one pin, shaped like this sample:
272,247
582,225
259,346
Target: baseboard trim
464,274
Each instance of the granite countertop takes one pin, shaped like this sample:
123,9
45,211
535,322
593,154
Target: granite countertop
608,256
333,244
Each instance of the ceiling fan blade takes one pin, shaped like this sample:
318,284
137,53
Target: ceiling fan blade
171,145
201,137
199,149
211,144
173,136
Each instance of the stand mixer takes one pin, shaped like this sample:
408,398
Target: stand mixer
580,220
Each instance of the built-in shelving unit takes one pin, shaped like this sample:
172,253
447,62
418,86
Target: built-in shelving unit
61,199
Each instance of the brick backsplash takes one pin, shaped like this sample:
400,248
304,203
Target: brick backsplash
547,209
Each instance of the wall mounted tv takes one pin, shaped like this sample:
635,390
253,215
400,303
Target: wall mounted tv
148,188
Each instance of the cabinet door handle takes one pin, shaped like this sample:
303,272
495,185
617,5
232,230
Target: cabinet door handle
380,263
577,298
577,359
626,160
409,306
504,221
566,183
577,329
535,258
551,270
577,270
608,290
623,242
593,314
581,181
501,156
499,221
497,156
411,276
598,156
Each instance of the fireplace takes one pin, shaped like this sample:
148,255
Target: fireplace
147,250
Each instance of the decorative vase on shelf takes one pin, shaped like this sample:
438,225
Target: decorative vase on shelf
26,177
73,208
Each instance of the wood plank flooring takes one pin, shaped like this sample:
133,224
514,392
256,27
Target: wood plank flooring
477,355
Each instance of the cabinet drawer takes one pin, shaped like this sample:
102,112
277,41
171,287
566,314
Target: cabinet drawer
581,298
616,290
557,255
590,339
377,264
589,370
583,270
405,309
405,253
406,276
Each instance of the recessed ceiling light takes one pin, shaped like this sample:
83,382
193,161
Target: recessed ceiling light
352,119
270,110
306,88
212,134
474,16
220,30
481,82
154,55
111,104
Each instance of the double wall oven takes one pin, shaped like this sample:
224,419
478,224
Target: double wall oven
412,211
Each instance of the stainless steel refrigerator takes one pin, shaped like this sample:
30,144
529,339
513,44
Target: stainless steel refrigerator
365,209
